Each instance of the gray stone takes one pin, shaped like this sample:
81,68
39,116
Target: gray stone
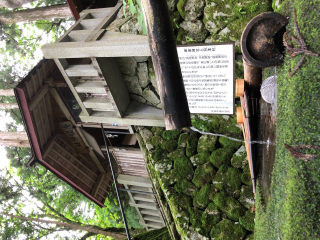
127,65
159,106
146,134
152,75
193,9
143,74
216,17
132,26
149,146
172,5
246,196
141,59
195,30
117,23
137,98
150,96
133,84
164,165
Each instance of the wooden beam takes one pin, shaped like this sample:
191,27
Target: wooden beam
95,34
39,96
97,185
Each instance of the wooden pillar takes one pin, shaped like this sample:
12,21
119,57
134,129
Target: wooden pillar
14,139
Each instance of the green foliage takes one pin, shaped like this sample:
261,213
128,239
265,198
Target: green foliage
159,234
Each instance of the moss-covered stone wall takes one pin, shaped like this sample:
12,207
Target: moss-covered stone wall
203,180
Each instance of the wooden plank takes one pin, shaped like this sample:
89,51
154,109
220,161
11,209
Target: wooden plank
38,97
137,114
119,93
88,87
104,23
40,76
48,146
134,180
71,133
76,26
96,186
62,65
29,88
110,45
79,35
50,115
38,124
81,70
45,119
98,102
97,12
90,24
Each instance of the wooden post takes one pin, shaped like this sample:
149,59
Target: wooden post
166,64
14,139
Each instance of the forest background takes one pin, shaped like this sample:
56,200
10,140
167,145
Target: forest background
34,203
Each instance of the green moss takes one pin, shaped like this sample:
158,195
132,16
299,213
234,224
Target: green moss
180,7
186,187
192,143
226,142
169,178
158,234
179,203
195,217
170,145
227,229
211,215
250,237
157,140
203,174
200,158
157,131
182,220
180,152
157,154
229,205
239,158
202,197
175,20
163,165
182,143
183,167
246,176
171,134
207,143
181,36
221,156
246,196
228,179
247,221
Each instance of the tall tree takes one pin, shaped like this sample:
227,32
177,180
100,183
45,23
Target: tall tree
36,14
6,92
14,139
9,106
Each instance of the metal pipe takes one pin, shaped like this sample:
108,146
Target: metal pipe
166,64
135,191
115,183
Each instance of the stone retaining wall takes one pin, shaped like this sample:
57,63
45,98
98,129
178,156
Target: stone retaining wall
203,180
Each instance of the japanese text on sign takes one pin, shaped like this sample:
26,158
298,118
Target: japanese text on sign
208,76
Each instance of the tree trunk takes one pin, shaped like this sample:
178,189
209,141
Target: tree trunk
14,3
9,105
6,92
14,139
62,224
37,14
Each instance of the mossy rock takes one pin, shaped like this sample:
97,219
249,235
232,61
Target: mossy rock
168,192
227,229
227,142
157,131
192,143
182,220
195,217
171,134
182,143
239,158
157,140
203,174
207,143
200,158
186,187
203,196
228,179
211,215
221,156
170,145
183,167
175,20
179,202
169,178
157,154
163,165
247,221
180,152
246,176
246,196
146,135
229,205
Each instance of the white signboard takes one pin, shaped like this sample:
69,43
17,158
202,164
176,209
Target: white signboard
208,76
